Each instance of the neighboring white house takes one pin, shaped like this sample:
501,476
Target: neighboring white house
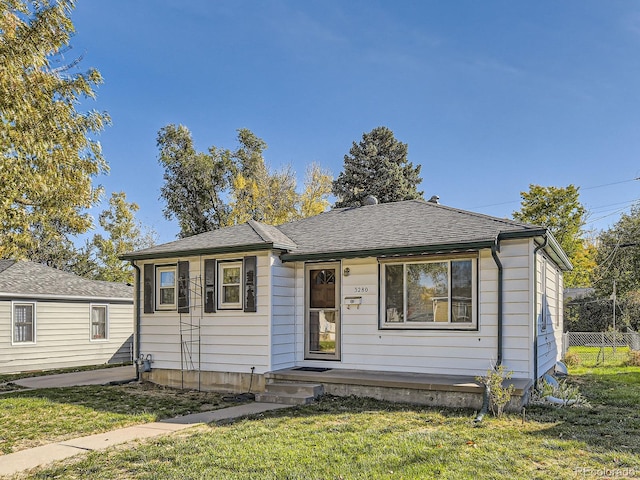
53,319
410,288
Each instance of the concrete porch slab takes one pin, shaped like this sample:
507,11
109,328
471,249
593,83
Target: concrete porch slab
376,378
434,390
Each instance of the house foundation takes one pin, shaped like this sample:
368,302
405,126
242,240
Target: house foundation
228,382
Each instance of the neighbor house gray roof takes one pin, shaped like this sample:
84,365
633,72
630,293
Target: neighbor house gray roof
412,226
24,279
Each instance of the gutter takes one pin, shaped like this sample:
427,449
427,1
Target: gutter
136,332
62,298
379,252
200,251
535,306
495,248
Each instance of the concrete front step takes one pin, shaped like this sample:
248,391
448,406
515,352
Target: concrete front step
290,393
290,399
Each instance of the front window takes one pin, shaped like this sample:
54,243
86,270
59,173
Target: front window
24,324
166,287
99,323
230,281
432,294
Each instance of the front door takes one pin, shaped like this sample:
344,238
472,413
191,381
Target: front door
322,325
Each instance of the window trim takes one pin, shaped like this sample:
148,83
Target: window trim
15,304
106,322
222,264
448,326
158,274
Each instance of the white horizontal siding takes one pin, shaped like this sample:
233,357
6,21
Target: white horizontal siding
516,259
273,338
549,282
226,340
63,337
283,309
365,346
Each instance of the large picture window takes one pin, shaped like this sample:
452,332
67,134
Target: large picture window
429,294
24,323
166,288
230,285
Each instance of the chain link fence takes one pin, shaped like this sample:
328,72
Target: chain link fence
600,348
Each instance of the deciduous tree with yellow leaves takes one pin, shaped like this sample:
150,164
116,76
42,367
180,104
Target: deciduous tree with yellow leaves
206,191
49,156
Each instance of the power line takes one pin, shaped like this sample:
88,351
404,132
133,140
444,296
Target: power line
609,184
581,188
627,203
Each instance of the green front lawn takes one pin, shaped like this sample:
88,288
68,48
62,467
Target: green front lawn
34,417
352,438
599,356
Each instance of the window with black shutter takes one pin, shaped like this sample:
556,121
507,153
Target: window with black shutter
250,281
210,285
183,287
149,288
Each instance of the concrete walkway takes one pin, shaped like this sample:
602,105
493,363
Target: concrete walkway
39,456
101,376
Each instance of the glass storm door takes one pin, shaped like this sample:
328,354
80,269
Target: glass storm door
322,329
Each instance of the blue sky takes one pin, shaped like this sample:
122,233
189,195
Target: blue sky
490,96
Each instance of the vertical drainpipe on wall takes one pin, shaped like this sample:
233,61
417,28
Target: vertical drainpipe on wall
136,332
495,248
535,306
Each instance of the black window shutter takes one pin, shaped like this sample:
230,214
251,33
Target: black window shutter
250,281
183,287
148,288
210,285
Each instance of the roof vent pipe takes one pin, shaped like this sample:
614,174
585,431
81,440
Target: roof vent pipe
370,200
434,199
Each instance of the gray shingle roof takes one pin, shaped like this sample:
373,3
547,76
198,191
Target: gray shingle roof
399,225
387,226
23,278
253,234
4,264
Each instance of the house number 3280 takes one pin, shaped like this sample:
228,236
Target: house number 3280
360,289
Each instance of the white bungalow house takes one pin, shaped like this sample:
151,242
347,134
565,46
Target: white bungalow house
53,319
408,300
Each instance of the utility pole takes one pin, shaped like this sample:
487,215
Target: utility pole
614,317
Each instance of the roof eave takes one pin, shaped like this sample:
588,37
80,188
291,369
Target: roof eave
556,251
529,233
396,251
47,296
553,247
202,251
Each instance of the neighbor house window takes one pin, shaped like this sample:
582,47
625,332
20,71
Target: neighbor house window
166,288
230,285
99,322
429,294
24,322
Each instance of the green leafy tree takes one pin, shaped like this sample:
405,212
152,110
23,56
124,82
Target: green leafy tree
194,182
377,166
618,256
229,187
60,252
48,156
594,313
559,210
125,234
